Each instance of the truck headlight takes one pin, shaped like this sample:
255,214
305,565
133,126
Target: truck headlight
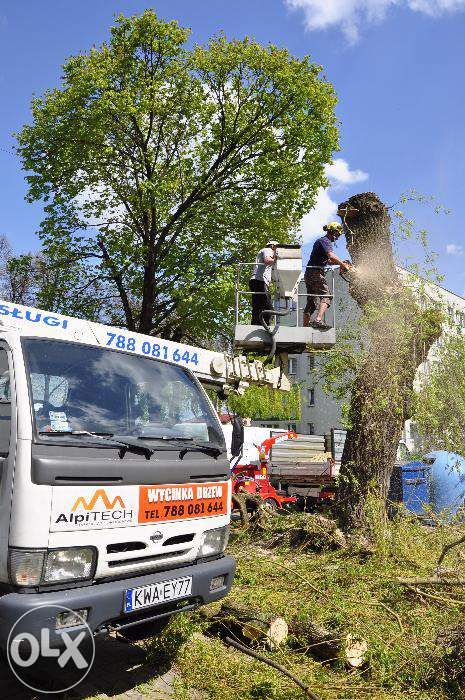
26,566
214,541
35,566
72,564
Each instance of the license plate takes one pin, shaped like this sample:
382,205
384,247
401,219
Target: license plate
156,593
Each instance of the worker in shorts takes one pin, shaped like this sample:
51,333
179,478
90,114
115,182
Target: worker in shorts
318,294
260,281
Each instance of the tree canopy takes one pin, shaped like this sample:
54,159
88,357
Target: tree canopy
162,163
264,403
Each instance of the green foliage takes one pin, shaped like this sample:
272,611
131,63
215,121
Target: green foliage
160,165
405,230
439,408
264,403
338,368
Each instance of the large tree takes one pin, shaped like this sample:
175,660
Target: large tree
398,326
161,164
20,275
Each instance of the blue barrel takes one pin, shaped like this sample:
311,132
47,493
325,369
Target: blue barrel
447,482
411,485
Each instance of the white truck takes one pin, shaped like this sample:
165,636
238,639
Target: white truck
114,481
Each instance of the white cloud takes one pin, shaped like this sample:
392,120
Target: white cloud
453,249
350,15
325,210
339,173
340,176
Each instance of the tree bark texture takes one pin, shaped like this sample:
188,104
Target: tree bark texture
396,335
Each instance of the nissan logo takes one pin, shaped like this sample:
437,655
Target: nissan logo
156,536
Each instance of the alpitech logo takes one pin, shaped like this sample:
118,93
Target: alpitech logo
95,510
99,494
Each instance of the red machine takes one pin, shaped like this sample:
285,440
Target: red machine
253,478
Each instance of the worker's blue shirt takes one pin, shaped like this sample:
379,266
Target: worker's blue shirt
319,255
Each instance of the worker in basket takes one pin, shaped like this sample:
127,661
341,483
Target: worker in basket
259,283
318,294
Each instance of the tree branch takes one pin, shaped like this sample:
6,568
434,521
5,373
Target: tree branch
119,284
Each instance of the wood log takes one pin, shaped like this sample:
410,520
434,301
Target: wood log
355,650
434,581
250,626
327,645
322,644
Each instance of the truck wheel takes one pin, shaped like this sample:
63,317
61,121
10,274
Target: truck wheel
271,503
145,630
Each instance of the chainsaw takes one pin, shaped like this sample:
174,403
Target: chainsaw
348,275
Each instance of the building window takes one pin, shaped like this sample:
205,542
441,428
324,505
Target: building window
310,397
292,426
311,363
311,428
293,365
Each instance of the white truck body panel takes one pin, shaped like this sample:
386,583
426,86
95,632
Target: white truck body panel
207,365
143,501
27,509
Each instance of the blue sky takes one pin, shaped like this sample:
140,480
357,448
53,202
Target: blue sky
397,67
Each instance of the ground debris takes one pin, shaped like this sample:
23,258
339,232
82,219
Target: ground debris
309,533
451,643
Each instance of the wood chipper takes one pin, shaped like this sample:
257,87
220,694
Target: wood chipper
253,478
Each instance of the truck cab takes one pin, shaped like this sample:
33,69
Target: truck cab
114,480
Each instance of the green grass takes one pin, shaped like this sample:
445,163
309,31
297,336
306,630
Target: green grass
345,592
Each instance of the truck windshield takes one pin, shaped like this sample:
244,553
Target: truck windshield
78,387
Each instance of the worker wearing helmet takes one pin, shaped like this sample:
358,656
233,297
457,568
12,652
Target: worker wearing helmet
260,281
318,294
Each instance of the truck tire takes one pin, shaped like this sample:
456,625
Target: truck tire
145,630
271,503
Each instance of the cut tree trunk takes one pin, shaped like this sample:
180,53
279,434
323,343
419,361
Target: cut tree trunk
397,335
247,625
329,646
322,644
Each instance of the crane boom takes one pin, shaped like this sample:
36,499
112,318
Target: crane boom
215,368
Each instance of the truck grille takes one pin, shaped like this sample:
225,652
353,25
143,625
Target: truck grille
146,560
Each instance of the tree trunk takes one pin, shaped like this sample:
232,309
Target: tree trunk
396,337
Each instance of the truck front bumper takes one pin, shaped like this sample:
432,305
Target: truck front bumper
104,601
